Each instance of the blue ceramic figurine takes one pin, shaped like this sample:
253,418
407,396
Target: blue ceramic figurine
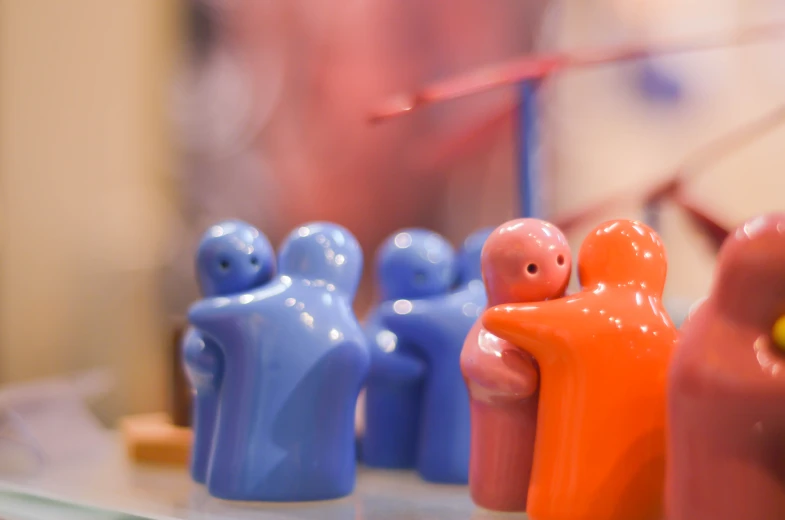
469,256
412,263
233,257
295,358
438,326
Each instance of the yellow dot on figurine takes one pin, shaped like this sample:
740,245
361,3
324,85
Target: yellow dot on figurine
778,333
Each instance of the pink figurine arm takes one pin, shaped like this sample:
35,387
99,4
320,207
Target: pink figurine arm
496,368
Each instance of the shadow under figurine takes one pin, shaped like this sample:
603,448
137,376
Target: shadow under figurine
295,359
603,355
233,257
410,264
524,260
437,327
726,399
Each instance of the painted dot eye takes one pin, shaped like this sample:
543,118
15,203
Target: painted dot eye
560,260
532,268
254,261
224,265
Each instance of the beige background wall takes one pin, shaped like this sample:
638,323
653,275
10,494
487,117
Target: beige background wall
84,159
607,141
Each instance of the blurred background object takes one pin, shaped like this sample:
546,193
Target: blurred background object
127,127
85,166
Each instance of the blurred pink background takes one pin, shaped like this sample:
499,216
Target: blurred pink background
275,106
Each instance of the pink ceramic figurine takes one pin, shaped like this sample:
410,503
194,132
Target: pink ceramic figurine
524,260
726,402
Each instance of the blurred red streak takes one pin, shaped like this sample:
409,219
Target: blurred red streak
670,188
532,67
707,224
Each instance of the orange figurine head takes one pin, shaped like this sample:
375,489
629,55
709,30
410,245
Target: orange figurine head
525,260
623,252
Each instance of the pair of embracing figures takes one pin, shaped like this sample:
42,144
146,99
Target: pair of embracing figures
633,421
583,374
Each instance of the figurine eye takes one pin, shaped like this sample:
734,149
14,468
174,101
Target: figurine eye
532,269
224,265
254,261
560,260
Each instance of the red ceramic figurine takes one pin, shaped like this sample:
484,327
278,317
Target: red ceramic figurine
603,355
726,457
523,260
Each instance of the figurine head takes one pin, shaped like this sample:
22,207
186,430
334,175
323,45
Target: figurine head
233,257
323,251
469,256
623,252
525,260
415,263
749,283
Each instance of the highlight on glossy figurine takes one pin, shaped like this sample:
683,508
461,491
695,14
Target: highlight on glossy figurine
295,358
437,327
233,257
726,426
603,355
412,263
524,260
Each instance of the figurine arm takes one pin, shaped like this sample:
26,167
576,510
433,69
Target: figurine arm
541,328
200,359
390,360
494,367
207,315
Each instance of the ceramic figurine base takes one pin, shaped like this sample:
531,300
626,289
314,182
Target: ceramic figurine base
437,327
412,263
525,260
294,360
603,355
233,257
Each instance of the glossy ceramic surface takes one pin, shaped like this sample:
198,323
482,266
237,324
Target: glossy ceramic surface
534,258
412,263
437,327
295,358
726,426
603,355
232,257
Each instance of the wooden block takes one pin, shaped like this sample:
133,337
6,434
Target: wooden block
153,439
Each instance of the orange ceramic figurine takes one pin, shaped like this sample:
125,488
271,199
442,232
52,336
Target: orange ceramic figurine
726,391
603,355
523,260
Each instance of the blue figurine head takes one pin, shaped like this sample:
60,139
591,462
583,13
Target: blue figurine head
233,257
415,263
469,256
323,251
